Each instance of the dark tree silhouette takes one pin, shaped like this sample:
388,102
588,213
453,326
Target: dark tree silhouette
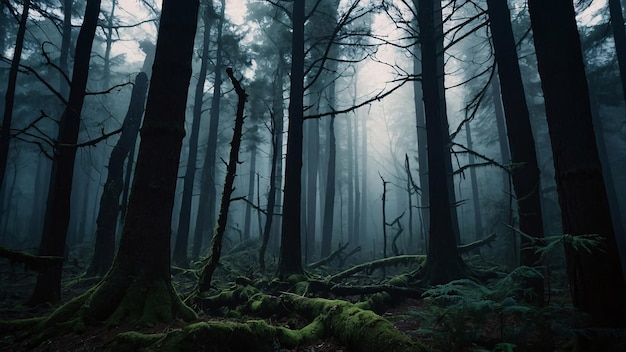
290,261
205,221
110,199
595,277
9,97
521,142
138,287
179,257
443,263
48,286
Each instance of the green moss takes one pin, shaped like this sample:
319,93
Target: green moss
133,341
254,336
19,325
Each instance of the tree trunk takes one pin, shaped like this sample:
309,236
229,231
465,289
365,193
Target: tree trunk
205,219
443,263
478,219
595,277
422,152
273,196
9,97
65,46
233,160
179,257
526,177
290,261
312,166
110,199
248,216
48,286
329,200
619,36
141,270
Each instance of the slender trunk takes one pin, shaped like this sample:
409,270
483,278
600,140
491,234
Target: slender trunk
350,162
179,257
526,179
595,277
422,152
312,166
231,173
478,219
205,219
106,81
110,199
329,200
364,209
290,259
65,47
48,286
619,36
9,98
248,216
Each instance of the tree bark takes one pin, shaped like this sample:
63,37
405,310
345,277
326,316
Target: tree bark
9,97
596,282
179,257
526,181
290,261
329,200
110,199
443,263
141,270
208,195
48,286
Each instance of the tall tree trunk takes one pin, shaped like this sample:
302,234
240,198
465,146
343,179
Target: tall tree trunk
526,181
619,36
48,286
9,97
274,194
110,199
205,219
216,249
443,263
289,260
478,219
422,151
312,166
329,200
350,161
179,257
595,277
248,216
364,209
141,269
66,39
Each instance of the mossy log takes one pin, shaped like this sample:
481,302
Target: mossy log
377,264
358,329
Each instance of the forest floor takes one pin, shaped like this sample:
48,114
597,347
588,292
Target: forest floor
477,322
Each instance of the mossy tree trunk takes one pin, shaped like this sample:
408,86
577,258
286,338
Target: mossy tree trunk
138,287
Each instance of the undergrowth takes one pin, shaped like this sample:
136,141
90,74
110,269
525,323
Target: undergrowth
464,315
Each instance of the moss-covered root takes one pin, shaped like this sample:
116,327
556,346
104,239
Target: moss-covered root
360,330
253,336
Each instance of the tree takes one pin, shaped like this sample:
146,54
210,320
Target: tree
141,269
110,199
48,286
443,263
208,193
619,36
9,98
290,262
595,277
525,176
179,257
